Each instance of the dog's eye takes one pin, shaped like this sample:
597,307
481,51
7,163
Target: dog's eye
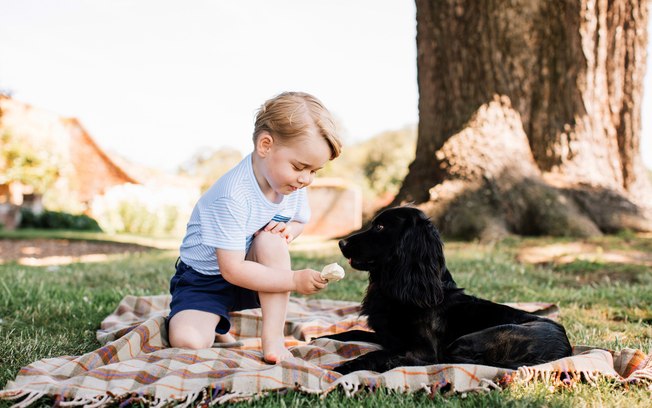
378,228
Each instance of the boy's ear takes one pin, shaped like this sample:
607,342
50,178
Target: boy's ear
264,143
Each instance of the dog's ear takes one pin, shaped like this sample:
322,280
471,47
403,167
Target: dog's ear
419,265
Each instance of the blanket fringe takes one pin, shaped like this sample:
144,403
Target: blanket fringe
210,396
159,402
232,397
32,396
78,401
350,388
643,376
485,385
13,395
556,379
190,398
307,390
99,401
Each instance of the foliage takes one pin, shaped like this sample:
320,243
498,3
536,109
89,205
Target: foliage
23,161
136,209
57,220
378,164
209,165
64,197
387,160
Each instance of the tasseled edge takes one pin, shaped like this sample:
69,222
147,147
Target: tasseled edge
351,386
570,378
556,379
642,377
446,388
566,379
206,397
485,385
30,397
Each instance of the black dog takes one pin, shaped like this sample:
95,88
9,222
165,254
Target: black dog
420,316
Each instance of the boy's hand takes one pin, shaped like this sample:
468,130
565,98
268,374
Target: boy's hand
280,228
308,281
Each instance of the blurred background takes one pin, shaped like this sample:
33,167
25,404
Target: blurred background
125,111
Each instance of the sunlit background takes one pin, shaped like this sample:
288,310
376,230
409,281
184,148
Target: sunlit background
157,81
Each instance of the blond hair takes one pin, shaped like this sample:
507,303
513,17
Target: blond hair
293,114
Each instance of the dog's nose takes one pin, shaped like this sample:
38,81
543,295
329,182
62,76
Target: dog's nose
342,243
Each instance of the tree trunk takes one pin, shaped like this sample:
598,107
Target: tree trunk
530,117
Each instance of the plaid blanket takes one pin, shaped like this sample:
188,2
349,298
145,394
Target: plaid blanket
135,363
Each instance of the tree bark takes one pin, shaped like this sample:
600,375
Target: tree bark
530,117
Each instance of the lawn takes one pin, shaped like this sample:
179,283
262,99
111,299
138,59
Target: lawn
51,311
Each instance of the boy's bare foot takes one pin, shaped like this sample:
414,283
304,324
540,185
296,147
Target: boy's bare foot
224,338
274,350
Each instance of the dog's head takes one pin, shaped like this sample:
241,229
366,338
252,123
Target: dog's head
404,254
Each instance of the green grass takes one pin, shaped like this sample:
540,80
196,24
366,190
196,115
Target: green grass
46,313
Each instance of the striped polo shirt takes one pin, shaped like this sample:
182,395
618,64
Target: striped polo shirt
230,212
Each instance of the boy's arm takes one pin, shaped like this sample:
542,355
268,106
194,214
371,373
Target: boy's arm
254,276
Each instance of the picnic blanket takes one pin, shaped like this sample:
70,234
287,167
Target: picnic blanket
136,365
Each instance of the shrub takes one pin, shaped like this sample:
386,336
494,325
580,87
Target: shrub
144,210
377,165
57,220
25,160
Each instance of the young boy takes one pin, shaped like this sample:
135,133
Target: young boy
235,254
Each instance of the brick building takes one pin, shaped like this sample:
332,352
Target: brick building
85,170
94,172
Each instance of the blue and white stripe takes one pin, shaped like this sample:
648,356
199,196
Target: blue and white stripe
230,212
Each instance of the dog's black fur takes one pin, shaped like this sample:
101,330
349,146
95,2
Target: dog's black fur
420,316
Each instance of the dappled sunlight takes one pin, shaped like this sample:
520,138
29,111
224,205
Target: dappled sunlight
30,250
61,260
51,252
467,250
565,253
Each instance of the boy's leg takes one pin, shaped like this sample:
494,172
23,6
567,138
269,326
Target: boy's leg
195,329
271,250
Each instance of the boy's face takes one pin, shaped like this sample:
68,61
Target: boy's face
291,166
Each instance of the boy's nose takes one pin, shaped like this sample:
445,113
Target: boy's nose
304,179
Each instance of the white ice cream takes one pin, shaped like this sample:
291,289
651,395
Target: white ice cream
332,272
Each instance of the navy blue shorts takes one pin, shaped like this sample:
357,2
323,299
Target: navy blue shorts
208,293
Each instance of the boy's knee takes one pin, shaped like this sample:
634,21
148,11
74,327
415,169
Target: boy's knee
270,239
186,330
267,246
189,339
